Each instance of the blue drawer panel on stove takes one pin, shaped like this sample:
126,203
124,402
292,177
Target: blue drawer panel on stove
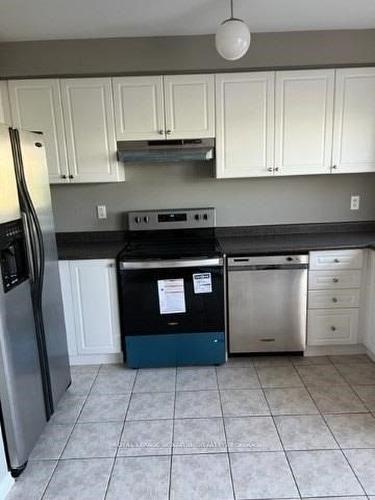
152,351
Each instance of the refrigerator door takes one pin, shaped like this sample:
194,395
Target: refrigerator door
21,390
49,313
23,413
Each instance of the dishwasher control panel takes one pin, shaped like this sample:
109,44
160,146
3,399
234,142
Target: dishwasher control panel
269,260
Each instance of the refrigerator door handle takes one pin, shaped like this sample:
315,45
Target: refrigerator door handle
29,248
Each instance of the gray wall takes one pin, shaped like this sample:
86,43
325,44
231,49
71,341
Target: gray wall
244,201
238,201
184,53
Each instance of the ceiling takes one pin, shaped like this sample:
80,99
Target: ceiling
60,19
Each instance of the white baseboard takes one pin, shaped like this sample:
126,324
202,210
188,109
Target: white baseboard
5,485
370,354
334,350
95,359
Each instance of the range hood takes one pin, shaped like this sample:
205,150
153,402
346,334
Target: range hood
166,151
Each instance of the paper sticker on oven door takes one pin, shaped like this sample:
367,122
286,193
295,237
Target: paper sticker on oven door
202,283
171,296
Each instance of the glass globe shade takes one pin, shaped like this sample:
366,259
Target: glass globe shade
232,39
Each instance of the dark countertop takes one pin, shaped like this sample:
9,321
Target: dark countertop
252,240
90,245
294,243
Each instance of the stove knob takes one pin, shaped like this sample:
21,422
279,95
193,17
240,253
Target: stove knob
138,220
205,216
197,217
145,219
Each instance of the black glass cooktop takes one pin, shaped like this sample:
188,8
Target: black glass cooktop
171,245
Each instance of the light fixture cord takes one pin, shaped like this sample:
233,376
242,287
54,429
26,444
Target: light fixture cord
231,9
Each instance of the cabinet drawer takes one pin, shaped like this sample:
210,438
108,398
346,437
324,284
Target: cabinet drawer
332,326
322,280
333,299
336,259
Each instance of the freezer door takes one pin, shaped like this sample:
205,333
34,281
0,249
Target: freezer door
21,390
267,310
9,206
36,178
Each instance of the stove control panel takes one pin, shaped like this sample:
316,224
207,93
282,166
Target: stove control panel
183,218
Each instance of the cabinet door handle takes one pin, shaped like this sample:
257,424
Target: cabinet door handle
336,260
276,169
333,328
161,132
335,280
270,169
64,176
334,299
71,176
334,167
168,132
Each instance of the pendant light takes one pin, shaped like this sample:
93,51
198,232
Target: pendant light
232,38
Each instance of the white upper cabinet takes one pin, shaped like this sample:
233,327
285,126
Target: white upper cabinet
303,125
5,116
139,107
36,106
189,106
90,131
170,107
354,121
245,124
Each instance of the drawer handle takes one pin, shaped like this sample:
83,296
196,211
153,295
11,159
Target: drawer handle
334,299
335,280
333,328
337,261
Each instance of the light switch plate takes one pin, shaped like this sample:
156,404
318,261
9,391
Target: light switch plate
354,202
101,211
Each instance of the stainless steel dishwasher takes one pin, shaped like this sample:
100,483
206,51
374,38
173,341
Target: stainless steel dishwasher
267,302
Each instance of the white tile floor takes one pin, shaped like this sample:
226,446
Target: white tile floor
261,428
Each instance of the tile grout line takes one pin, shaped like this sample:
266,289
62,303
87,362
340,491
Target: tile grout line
277,431
332,434
173,424
70,434
352,386
225,435
120,438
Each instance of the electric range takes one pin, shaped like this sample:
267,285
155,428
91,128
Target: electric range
171,287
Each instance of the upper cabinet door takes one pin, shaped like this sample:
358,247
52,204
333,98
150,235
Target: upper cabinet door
89,129
189,106
36,106
354,122
245,124
5,116
139,108
303,126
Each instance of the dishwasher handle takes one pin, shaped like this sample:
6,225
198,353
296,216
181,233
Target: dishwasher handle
269,262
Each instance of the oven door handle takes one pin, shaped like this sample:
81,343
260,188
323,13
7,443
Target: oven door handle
163,264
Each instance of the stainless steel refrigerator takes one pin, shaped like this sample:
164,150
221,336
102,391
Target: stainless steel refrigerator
34,364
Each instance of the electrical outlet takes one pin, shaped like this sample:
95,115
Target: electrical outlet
101,211
354,202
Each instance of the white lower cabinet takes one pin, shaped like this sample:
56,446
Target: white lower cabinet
334,297
91,309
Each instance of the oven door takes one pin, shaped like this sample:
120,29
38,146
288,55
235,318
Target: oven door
173,310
